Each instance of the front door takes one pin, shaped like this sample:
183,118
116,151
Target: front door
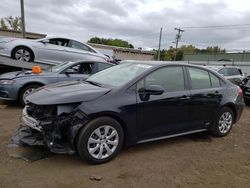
160,115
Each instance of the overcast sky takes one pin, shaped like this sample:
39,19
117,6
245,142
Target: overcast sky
139,21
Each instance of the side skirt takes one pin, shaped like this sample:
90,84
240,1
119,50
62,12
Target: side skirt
170,136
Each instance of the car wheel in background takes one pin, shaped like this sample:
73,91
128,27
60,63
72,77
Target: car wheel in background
247,102
26,91
23,54
223,122
100,140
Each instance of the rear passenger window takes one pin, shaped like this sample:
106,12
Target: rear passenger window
233,71
223,72
199,78
215,81
170,78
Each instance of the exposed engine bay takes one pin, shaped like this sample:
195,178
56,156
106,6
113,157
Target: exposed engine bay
52,126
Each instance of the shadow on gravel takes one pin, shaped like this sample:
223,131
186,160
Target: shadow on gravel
200,137
10,104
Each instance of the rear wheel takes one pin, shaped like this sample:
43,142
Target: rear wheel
26,91
100,140
23,53
223,122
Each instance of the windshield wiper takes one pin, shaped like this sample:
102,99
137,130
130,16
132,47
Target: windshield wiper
94,83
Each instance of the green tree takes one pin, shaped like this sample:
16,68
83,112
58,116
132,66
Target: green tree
3,24
111,42
13,23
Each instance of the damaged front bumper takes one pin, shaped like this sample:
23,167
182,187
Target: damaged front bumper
56,133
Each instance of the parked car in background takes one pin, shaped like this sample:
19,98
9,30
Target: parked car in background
231,73
245,86
130,103
55,50
17,85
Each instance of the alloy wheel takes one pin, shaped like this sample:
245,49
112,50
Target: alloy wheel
22,55
26,93
103,142
225,122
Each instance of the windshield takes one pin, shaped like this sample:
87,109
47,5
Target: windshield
59,68
119,75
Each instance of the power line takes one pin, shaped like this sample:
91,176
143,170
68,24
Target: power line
216,26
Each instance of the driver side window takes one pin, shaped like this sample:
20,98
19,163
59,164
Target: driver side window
59,42
170,78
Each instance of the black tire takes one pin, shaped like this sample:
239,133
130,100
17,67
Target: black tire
27,50
87,131
215,128
26,88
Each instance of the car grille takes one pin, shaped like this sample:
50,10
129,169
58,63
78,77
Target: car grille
41,112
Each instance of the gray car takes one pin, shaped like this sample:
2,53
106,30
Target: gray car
15,86
53,50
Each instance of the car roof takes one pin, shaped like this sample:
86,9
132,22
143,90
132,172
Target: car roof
154,63
162,63
221,67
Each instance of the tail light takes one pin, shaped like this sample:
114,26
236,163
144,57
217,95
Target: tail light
240,92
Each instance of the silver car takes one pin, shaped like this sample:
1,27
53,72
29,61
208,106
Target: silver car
231,73
54,50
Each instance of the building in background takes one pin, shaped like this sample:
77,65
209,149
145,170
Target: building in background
120,53
233,57
18,34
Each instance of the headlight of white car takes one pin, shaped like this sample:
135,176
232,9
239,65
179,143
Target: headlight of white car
7,82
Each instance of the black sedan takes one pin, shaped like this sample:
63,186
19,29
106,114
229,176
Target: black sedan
130,103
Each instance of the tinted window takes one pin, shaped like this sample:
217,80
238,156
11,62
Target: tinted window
223,72
233,71
170,78
215,81
199,78
59,42
83,68
102,66
80,46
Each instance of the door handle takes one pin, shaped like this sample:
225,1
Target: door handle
185,98
217,93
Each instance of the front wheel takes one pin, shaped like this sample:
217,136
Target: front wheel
223,122
25,92
100,140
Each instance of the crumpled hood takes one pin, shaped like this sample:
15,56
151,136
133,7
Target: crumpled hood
66,92
19,74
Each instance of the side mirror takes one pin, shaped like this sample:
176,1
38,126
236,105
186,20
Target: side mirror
152,90
45,41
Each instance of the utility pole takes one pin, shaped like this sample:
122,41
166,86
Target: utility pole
159,49
178,36
23,19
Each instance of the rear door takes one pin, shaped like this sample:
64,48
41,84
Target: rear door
206,95
160,115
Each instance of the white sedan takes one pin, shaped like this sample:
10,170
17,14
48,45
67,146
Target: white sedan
54,50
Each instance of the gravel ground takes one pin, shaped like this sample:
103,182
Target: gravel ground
190,161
